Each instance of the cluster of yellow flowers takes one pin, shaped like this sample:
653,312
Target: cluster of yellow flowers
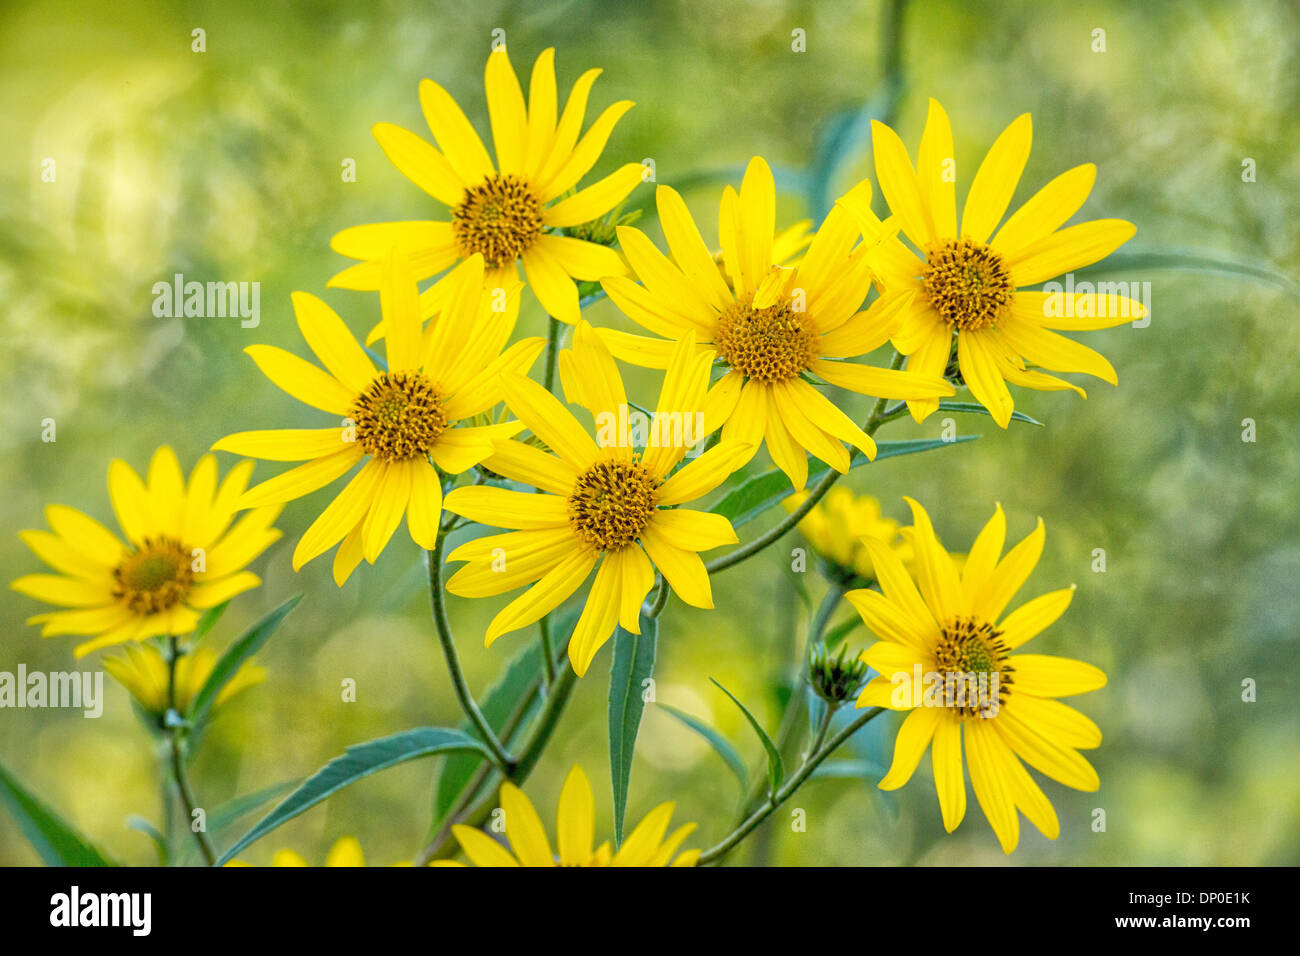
749,333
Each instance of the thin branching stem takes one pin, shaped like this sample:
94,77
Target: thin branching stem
174,731
467,703
731,840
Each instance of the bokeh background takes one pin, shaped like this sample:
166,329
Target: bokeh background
226,165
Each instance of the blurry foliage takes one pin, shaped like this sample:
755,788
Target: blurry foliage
226,165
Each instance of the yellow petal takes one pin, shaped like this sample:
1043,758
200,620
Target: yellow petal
545,596
302,480
1045,676
682,569
599,615
1046,211
1011,572
424,510
302,380
949,781
1069,249
285,444
333,344
524,828
420,163
914,736
935,167
996,179
506,111
595,200
388,504
1033,617
460,144
983,378
899,184
575,819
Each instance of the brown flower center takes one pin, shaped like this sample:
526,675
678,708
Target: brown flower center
612,502
968,283
399,416
500,218
972,658
774,344
154,577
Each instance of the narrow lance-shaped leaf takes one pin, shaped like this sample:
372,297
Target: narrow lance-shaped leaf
56,840
633,665
975,408
359,761
721,745
775,766
743,504
229,663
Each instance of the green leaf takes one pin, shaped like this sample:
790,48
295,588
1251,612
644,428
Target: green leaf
234,656
842,138
1190,260
633,664
719,743
975,408
360,760
516,687
841,631
209,618
49,834
230,812
744,504
141,825
775,766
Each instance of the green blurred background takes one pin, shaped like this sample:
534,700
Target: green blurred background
226,165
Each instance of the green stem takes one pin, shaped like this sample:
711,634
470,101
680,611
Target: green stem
729,843
794,708
178,761
473,810
552,352
443,626
548,654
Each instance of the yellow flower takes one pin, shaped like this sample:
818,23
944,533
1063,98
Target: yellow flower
966,285
505,212
394,420
836,525
770,325
345,852
575,828
947,655
143,671
180,557
604,502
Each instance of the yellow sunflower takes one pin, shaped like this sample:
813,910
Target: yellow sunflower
649,844
181,554
604,503
506,212
771,326
406,423
947,655
965,285
144,672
